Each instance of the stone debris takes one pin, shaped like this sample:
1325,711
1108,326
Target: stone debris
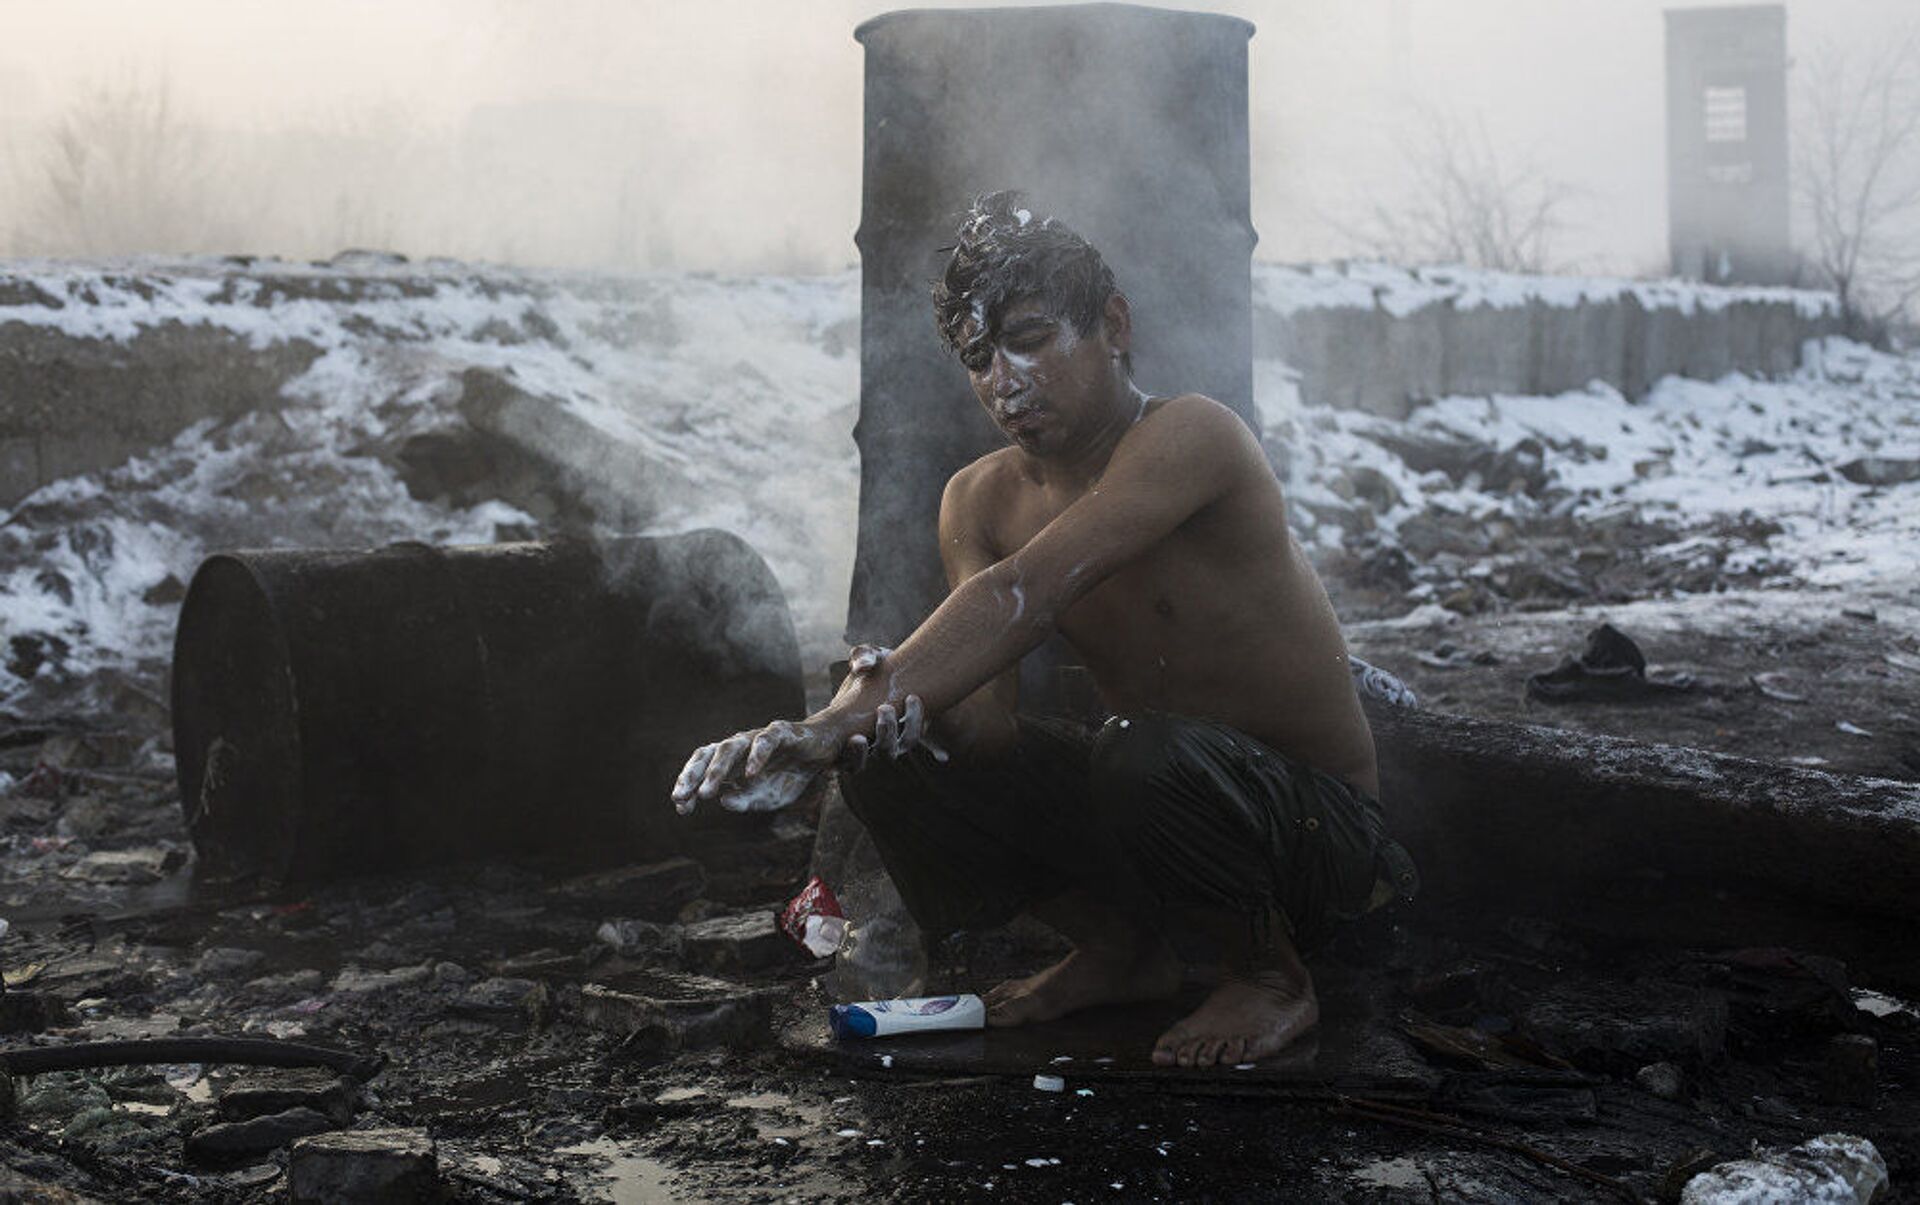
514,1003
262,1091
739,942
643,941
1850,1069
653,891
226,962
1664,1080
1834,1169
231,1141
130,866
364,1167
1880,470
683,1013
1617,1028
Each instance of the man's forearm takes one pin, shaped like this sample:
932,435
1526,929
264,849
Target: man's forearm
984,626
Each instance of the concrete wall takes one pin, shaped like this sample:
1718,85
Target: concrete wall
70,405
1385,360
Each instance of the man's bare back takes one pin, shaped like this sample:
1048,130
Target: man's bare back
1222,619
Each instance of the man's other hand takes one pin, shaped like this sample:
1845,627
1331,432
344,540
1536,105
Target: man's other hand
897,731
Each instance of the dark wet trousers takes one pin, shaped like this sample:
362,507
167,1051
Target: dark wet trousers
1148,811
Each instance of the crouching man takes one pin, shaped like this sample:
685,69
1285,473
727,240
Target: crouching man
1231,794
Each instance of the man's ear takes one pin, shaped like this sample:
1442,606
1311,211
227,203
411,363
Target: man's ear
1117,320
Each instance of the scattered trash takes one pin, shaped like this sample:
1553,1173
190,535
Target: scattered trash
1769,684
815,920
1372,682
1049,1083
1852,729
1611,669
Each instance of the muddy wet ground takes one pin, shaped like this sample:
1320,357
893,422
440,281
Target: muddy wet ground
1511,1058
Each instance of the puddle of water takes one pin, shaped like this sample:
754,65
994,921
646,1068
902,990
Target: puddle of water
807,1119
1391,1173
629,1179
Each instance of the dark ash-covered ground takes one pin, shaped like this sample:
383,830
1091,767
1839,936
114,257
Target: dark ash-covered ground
1514,1040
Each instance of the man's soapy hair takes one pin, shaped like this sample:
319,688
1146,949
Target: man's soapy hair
1005,253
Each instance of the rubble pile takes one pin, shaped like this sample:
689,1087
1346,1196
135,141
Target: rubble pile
1497,503
513,1032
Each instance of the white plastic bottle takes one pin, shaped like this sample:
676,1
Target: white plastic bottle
917,1014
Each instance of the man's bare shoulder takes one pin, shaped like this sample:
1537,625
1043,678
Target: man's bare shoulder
1196,423
983,483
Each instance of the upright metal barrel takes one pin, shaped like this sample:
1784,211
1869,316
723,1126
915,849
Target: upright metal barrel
1129,124
338,712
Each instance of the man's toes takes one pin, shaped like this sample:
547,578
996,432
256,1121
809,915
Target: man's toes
1188,1052
1163,1056
1207,1052
1233,1050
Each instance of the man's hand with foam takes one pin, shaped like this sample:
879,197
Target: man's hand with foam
772,768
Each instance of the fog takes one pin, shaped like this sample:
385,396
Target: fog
728,135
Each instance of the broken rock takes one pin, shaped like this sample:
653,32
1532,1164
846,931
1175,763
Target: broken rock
1850,1069
743,941
1880,470
1618,1028
517,1003
364,1167
134,867
681,1012
227,1141
1663,1080
655,891
226,962
277,1089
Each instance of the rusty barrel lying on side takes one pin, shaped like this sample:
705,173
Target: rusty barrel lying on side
338,712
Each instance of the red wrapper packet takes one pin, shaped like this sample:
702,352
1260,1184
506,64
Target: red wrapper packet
815,920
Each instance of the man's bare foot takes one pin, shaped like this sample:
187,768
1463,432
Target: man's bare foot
1087,976
1249,1016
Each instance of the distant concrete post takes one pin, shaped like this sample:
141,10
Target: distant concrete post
1727,198
1127,123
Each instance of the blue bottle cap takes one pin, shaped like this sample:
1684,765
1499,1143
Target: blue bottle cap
851,1021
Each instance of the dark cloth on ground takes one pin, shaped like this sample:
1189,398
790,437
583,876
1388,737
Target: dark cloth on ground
1149,811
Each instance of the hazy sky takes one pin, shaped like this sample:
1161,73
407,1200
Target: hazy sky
727,133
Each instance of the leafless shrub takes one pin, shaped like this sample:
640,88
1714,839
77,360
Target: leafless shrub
1466,204
121,172
1857,176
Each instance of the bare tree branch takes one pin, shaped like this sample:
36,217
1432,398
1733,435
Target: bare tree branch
1467,205
1857,176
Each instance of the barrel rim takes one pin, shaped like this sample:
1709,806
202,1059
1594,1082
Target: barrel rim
245,561
1151,12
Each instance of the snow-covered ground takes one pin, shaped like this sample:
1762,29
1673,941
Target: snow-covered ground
743,390
1696,456
746,388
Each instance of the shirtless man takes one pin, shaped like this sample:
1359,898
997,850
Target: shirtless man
1231,794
